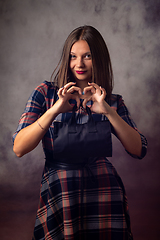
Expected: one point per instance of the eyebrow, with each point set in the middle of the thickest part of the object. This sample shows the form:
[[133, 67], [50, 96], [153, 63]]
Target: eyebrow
[[83, 54]]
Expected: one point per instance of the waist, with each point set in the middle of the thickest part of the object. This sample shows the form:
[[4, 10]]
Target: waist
[[68, 163]]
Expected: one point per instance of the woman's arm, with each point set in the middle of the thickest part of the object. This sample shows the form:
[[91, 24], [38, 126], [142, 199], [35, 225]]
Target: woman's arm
[[129, 137], [29, 137]]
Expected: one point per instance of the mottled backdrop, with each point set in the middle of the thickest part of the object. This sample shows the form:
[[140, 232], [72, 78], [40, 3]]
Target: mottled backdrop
[[32, 33]]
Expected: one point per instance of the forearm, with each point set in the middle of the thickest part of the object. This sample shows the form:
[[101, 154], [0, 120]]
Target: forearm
[[28, 138], [128, 136]]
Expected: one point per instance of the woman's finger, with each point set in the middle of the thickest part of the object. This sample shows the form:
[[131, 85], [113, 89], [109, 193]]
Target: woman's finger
[[75, 97], [103, 92], [89, 88], [96, 87], [67, 86], [74, 89], [87, 99], [60, 91]]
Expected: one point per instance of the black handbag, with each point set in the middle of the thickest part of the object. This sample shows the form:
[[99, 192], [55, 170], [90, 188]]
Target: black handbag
[[80, 141]]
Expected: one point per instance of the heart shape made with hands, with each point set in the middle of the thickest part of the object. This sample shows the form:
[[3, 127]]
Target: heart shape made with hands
[[91, 92], [94, 92]]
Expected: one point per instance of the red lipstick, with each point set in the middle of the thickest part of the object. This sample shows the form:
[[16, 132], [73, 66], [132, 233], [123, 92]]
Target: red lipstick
[[80, 72]]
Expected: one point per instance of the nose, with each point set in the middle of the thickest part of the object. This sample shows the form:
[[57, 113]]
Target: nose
[[80, 62]]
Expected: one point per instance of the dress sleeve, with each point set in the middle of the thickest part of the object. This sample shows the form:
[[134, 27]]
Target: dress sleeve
[[37, 104], [125, 115]]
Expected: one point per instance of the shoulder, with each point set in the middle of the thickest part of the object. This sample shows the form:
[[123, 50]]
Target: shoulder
[[45, 87], [45, 90], [115, 101]]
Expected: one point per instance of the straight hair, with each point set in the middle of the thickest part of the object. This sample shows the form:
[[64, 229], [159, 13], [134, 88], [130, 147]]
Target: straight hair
[[102, 73]]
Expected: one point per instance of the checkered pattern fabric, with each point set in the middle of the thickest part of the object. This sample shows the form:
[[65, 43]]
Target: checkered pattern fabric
[[62, 213]]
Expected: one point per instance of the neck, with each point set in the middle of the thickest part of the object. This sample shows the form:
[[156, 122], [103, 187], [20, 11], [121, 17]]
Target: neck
[[81, 84]]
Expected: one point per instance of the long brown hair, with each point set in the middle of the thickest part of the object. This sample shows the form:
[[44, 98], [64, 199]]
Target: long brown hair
[[102, 73]]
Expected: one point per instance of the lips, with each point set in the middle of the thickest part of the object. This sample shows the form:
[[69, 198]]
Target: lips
[[80, 72]]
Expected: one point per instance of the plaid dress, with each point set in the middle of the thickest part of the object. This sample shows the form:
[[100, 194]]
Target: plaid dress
[[88, 203]]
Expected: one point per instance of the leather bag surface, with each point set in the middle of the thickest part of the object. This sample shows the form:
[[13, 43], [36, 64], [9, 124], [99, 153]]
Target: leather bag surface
[[79, 141]]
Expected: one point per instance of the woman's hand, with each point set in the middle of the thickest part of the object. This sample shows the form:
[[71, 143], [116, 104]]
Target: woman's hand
[[97, 95], [69, 91], [128, 136], [29, 137]]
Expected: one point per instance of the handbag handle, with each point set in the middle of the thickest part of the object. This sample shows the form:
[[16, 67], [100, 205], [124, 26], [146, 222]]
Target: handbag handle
[[73, 123]]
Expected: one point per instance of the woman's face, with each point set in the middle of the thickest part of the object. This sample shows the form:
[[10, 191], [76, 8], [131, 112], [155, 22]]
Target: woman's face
[[81, 62]]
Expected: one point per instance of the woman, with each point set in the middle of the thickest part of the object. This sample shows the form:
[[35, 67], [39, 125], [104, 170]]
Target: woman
[[79, 201]]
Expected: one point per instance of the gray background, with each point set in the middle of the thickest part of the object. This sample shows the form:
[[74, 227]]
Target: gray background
[[32, 33]]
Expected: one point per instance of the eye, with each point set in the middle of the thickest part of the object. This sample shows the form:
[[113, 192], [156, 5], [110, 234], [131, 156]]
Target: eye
[[88, 56], [72, 56]]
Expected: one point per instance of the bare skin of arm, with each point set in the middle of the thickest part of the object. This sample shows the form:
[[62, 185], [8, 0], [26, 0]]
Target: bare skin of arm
[[28, 138], [127, 135]]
